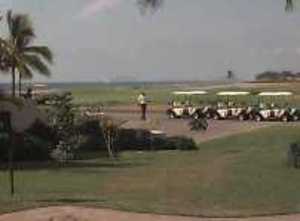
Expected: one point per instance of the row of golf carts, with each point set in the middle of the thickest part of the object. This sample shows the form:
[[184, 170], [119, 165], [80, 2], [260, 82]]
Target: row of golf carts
[[230, 107]]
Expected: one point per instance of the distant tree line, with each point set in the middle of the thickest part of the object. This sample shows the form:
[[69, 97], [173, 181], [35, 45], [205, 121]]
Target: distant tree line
[[289, 6], [278, 76]]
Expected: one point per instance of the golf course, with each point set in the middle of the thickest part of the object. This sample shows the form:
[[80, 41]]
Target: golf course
[[149, 110]]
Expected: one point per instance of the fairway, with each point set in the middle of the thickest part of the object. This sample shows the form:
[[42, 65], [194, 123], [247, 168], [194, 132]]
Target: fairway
[[161, 94], [241, 175], [118, 95], [150, 110]]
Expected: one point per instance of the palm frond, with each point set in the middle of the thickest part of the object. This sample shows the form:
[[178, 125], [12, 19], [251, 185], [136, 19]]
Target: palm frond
[[35, 63], [26, 32], [149, 4], [15, 26], [5, 52], [41, 51], [25, 71], [20, 29], [289, 5]]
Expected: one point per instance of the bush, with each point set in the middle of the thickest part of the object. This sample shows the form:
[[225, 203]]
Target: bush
[[33, 146], [200, 124], [4, 144], [92, 138], [61, 114], [130, 139]]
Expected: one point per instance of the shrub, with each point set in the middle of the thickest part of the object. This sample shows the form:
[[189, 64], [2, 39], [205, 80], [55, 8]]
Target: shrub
[[130, 139], [34, 145], [200, 124], [4, 144], [32, 148], [61, 114], [91, 133]]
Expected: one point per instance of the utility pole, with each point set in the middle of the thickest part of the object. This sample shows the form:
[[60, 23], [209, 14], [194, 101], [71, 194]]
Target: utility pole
[[5, 127]]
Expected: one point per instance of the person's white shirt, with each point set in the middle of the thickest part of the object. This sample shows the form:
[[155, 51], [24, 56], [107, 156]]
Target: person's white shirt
[[141, 99]]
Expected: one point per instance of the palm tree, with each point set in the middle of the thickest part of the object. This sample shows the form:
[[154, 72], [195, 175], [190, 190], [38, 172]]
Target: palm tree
[[289, 5], [25, 58], [18, 55], [152, 4]]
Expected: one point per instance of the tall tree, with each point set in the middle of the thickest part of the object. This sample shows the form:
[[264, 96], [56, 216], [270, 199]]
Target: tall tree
[[149, 4], [289, 5], [25, 58]]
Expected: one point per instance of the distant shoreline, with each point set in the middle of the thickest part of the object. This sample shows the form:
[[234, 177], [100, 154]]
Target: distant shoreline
[[125, 83]]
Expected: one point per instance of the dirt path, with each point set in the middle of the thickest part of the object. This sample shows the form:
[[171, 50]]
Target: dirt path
[[88, 214]]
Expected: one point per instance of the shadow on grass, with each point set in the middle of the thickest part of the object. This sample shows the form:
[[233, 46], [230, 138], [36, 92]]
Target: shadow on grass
[[71, 201], [35, 166]]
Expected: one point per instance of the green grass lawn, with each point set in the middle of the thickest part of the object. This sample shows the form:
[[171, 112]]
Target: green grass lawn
[[161, 94], [118, 95], [236, 176]]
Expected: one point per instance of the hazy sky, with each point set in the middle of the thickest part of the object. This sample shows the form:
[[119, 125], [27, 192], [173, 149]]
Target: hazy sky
[[96, 40]]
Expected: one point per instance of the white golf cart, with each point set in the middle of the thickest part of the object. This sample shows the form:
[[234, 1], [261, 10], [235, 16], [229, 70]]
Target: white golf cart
[[181, 105], [228, 108], [272, 112]]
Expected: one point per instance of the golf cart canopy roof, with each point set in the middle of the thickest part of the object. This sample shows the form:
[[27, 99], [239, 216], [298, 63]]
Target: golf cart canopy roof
[[282, 93], [189, 92], [233, 93]]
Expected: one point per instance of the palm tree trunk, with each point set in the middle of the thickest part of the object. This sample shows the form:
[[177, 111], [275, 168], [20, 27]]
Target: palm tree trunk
[[13, 88], [20, 85]]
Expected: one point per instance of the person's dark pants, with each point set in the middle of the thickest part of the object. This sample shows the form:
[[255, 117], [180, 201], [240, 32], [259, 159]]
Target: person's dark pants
[[144, 110]]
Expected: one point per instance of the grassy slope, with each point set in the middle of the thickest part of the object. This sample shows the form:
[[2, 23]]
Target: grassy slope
[[236, 176]]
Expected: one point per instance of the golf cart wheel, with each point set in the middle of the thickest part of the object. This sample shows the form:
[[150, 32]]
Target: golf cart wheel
[[284, 119], [295, 118], [258, 118], [241, 117]]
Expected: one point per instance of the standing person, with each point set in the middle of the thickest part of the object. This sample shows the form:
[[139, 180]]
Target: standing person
[[142, 101], [29, 93]]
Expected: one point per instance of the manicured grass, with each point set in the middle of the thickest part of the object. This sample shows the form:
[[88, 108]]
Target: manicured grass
[[240, 175], [161, 94], [118, 95]]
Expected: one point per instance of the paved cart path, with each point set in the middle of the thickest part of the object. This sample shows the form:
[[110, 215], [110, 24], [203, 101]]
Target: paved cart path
[[68, 213]]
